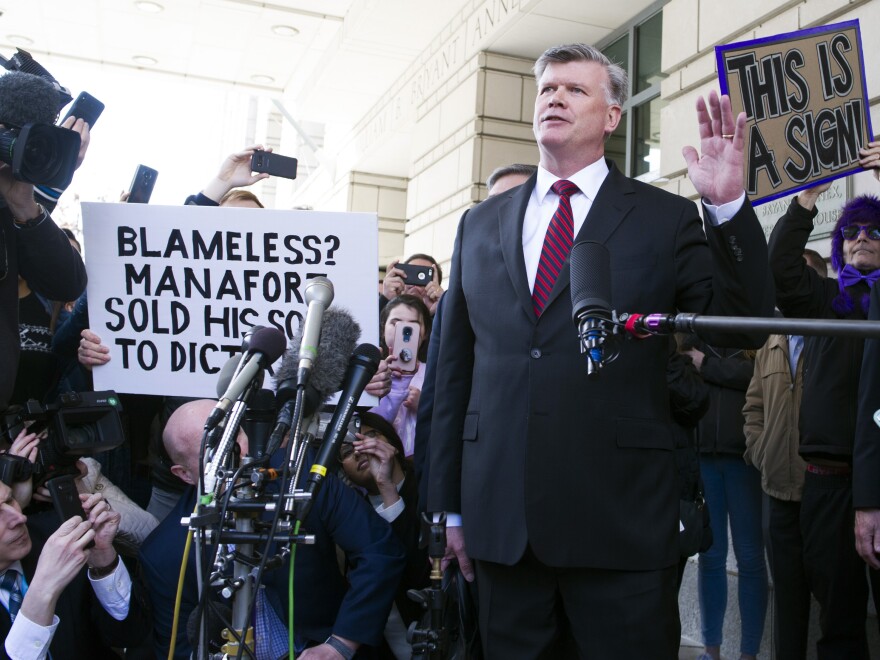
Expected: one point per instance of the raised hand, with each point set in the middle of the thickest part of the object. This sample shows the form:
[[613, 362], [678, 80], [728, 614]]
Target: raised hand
[[717, 171]]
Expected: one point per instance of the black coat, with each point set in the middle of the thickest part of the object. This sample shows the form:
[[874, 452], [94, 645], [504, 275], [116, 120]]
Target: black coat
[[523, 443], [831, 364]]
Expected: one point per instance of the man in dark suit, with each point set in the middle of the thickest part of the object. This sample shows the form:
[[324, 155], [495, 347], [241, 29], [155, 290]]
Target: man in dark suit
[[345, 610], [51, 603], [566, 484]]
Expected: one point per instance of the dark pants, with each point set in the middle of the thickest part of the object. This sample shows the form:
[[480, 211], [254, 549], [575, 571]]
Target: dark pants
[[530, 611], [791, 592], [835, 572]]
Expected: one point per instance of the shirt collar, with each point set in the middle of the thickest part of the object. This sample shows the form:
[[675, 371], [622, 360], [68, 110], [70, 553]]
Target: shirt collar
[[588, 180], [16, 565]]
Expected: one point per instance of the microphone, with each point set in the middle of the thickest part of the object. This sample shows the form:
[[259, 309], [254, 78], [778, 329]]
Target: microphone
[[26, 98], [339, 335], [257, 422], [361, 368], [266, 346], [319, 295], [590, 267], [227, 372]]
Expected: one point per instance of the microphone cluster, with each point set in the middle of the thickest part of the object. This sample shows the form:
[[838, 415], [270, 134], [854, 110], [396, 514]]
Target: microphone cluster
[[322, 360]]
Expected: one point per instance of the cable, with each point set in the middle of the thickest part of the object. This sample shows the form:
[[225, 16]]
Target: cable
[[179, 597]]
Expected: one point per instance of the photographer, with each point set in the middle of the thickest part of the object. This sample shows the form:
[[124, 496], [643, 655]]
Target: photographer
[[31, 245], [51, 603]]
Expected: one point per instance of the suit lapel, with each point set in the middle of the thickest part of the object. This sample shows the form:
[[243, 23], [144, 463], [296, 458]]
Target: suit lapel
[[613, 201], [510, 224]]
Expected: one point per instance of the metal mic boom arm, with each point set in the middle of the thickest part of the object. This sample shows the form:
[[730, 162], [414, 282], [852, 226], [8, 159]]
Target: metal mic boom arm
[[642, 326]]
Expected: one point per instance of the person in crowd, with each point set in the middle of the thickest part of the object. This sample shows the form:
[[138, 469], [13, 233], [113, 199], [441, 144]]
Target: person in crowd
[[771, 411], [135, 523], [733, 495], [827, 416], [54, 605], [395, 283], [539, 459], [32, 247], [334, 614], [375, 463], [866, 453], [507, 177], [400, 406]]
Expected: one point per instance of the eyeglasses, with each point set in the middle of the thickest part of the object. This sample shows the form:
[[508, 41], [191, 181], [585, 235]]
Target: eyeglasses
[[851, 232], [346, 450]]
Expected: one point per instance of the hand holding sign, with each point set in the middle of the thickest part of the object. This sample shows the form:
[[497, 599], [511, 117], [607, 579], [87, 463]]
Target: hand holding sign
[[869, 157], [717, 172]]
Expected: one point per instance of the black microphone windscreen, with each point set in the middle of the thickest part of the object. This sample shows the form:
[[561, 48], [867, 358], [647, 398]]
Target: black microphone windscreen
[[369, 353], [268, 341], [27, 99], [339, 334], [590, 264]]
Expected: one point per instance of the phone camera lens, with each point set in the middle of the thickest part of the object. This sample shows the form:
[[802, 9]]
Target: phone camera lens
[[407, 334]]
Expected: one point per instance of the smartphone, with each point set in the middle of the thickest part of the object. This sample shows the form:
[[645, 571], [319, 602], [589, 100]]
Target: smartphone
[[417, 275], [65, 497], [274, 164], [406, 347], [142, 185], [87, 108]]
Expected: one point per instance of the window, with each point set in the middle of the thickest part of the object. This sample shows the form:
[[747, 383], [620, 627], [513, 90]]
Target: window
[[635, 145]]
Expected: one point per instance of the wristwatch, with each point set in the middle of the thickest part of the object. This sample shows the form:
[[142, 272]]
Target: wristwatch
[[97, 573], [33, 222], [343, 649]]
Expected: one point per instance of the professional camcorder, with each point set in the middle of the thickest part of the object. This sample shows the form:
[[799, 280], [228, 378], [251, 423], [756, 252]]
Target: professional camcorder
[[37, 151], [78, 424]]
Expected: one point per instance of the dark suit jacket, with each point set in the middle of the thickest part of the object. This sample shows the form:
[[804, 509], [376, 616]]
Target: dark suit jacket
[[355, 606], [85, 630], [523, 443], [866, 453]]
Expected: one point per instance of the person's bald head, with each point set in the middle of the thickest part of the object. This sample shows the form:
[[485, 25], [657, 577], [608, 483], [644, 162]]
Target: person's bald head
[[183, 438]]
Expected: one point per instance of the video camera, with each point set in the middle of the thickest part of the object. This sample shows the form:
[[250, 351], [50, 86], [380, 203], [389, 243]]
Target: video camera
[[78, 424], [38, 153]]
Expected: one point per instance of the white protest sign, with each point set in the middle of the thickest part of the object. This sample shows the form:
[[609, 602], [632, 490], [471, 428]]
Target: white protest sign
[[172, 289]]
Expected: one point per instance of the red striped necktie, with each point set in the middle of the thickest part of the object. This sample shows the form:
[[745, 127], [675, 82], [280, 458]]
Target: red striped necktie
[[557, 245]]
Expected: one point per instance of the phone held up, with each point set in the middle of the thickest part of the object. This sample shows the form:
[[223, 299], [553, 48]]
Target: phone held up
[[65, 497], [142, 185], [406, 347], [417, 275], [274, 164], [87, 108]]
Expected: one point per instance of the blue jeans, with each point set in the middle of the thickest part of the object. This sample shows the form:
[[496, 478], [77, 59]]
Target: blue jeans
[[733, 489]]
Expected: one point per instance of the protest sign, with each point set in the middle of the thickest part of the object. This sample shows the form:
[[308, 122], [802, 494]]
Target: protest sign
[[173, 289], [807, 113]]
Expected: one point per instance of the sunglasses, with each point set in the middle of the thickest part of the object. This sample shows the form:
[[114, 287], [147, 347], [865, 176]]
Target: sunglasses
[[851, 232]]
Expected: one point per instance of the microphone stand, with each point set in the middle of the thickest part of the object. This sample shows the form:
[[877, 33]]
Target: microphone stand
[[696, 323], [599, 336], [432, 642], [246, 502]]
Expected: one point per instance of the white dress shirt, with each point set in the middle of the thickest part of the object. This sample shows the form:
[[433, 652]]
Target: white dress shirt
[[30, 641]]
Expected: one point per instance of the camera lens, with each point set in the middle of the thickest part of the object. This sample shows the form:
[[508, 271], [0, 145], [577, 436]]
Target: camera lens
[[407, 333]]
